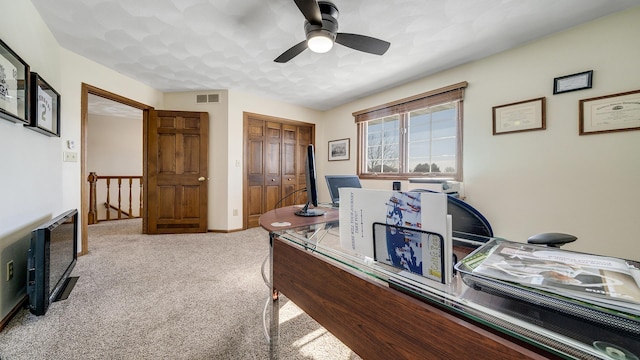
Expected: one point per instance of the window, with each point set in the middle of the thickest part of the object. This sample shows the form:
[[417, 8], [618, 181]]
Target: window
[[414, 137]]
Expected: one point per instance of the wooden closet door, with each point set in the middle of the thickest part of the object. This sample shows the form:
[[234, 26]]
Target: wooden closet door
[[289, 165], [273, 165], [275, 152], [254, 155]]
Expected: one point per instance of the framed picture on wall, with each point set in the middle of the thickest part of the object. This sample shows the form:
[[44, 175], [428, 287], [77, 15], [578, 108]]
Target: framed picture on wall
[[339, 150], [14, 86], [573, 82], [520, 116], [610, 113], [45, 107]]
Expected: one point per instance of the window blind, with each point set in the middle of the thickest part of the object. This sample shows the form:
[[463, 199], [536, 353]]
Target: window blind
[[445, 94]]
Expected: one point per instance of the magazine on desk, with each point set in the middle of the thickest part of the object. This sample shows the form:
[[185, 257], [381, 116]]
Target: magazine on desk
[[605, 281]]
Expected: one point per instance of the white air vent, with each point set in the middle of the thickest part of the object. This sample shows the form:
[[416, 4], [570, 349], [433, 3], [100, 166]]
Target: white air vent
[[207, 98]]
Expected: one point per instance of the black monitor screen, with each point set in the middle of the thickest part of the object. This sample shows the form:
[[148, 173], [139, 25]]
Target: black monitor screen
[[62, 252], [335, 182], [312, 186]]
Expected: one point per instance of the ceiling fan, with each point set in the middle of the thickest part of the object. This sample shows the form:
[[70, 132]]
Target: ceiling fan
[[321, 28]]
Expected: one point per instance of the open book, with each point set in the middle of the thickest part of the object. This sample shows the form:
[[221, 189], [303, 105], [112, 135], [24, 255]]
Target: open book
[[605, 281]]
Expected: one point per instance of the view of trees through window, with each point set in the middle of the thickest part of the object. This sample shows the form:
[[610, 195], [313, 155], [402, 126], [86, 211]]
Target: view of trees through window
[[421, 142], [383, 145]]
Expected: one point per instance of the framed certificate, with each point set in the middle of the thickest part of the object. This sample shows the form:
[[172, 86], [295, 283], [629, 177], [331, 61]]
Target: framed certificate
[[520, 116], [14, 86], [609, 113], [573, 82], [45, 107]]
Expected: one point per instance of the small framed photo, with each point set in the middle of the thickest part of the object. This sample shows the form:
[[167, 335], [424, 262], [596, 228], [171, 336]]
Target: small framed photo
[[573, 82], [610, 113], [339, 150], [14, 86], [45, 107], [520, 116]]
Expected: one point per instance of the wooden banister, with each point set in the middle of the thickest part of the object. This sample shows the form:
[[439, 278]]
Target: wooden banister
[[112, 207], [95, 184]]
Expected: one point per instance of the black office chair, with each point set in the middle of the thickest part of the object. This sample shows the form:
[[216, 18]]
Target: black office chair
[[467, 222], [466, 219], [551, 239]]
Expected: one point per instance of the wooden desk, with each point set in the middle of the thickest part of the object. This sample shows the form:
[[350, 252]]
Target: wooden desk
[[287, 214], [377, 321]]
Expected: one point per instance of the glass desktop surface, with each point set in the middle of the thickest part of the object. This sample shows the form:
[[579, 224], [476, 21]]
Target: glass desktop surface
[[558, 333]]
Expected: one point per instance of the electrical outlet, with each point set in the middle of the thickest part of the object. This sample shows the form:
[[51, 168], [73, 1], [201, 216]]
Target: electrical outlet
[[10, 270]]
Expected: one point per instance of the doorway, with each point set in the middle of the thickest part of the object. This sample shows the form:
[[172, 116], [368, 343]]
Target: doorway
[[87, 90]]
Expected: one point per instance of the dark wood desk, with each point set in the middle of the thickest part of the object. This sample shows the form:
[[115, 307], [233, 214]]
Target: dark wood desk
[[374, 318], [378, 322]]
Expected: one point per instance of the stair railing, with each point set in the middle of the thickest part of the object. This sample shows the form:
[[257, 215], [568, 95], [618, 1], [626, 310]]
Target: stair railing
[[101, 186]]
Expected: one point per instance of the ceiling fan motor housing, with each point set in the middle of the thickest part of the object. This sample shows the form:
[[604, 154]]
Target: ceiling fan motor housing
[[329, 25], [329, 9]]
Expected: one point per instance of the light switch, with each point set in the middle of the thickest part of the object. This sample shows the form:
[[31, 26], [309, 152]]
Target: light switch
[[70, 156]]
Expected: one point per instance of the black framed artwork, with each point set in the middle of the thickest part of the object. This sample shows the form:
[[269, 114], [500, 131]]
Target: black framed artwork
[[45, 107], [573, 82], [14, 86]]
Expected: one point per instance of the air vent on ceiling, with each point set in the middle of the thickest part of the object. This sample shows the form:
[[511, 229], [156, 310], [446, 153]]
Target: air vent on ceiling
[[207, 98]]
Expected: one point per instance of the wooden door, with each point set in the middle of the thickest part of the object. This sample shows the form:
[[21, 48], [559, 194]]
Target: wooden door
[[177, 172], [289, 164], [275, 150], [254, 154], [272, 165]]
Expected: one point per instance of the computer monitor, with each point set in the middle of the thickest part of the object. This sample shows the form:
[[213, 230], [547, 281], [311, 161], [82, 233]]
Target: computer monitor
[[312, 186], [335, 182]]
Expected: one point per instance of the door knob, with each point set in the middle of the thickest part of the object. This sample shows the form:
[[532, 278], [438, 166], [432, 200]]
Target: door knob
[[202, 178]]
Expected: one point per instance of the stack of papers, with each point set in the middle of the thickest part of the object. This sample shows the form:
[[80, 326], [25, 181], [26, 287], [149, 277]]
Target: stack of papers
[[605, 281]]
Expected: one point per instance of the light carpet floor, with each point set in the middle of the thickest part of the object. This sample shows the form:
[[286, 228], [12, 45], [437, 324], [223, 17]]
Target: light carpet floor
[[197, 296]]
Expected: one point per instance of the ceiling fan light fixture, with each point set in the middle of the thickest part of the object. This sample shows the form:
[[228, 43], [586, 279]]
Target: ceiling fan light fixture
[[319, 42]]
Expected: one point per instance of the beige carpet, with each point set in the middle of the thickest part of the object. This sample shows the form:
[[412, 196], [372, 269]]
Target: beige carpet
[[139, 296]]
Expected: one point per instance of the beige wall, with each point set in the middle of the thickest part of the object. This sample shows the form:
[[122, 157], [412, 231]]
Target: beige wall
[[114, 145], [76, 70], [540, 181]]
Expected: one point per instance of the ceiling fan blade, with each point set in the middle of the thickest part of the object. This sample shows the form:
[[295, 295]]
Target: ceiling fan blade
[[310, 10], [363, 43], [294, 51]]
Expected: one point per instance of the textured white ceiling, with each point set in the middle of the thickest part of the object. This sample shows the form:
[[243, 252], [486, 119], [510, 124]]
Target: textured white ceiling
[[102, 106], [184, 45]]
